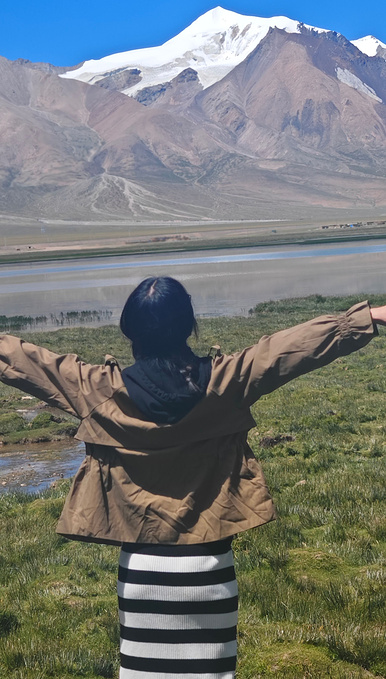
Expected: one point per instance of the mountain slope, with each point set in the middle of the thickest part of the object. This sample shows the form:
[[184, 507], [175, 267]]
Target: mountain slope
[[307, 109], [68, 148], [298, 124], [298, 89]]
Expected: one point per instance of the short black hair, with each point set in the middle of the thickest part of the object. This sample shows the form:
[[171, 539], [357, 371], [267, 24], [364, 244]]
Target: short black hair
[[158, 318]]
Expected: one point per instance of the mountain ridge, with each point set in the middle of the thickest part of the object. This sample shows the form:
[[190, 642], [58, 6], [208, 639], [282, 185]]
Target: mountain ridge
[[297, 125], [212, 45]]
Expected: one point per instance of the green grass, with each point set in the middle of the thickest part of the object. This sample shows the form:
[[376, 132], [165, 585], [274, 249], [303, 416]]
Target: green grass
[[43, 427], [12, 324], [312, 583]]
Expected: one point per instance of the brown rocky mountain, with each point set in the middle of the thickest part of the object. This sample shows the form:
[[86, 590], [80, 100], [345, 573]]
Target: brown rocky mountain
[[309, 110], [299, 125], [46, 67], [317, 90], [73, 150], [177, 92]]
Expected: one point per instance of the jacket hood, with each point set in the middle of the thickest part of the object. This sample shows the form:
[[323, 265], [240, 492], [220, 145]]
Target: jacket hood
[[164, 395]]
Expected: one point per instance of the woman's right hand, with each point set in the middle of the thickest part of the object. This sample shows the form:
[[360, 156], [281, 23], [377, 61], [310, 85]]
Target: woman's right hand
[[378, 314]]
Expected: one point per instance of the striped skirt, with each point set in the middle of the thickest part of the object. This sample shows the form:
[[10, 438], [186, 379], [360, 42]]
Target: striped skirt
[[178, 611]]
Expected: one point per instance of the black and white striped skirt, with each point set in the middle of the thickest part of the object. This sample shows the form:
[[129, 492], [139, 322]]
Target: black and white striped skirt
[[178, 611]]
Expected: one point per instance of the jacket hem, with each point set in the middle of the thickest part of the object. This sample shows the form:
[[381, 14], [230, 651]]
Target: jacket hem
[[182, 538]]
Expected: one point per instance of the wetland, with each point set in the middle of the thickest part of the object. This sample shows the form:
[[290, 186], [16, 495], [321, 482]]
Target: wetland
[[312, 595]]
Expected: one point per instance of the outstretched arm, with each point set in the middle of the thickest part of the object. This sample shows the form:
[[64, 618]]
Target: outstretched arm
[[65, 381], [279, 358]]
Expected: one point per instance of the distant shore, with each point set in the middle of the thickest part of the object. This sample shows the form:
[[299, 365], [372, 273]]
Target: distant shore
[[149, 239]]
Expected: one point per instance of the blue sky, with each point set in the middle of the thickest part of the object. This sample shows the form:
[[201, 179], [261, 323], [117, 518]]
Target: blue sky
[[72, 31]]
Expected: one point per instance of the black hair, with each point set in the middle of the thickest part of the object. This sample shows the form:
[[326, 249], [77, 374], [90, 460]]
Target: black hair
[[158, 318]]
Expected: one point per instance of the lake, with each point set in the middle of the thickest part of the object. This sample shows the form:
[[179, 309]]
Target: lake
[[221, 282]]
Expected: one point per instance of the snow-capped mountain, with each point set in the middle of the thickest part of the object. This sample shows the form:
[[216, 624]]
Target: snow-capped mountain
[[243, 118], [370, 46], [212, 46]]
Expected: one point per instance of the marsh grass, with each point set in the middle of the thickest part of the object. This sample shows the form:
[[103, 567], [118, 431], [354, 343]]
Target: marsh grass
[[312, 583], [63, 319], [44, 427]]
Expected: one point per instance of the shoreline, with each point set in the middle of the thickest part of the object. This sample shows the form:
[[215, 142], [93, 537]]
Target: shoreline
[[220, 236]]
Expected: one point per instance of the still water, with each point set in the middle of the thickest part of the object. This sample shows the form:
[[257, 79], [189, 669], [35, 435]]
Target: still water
[[221, 282], [33, 467]]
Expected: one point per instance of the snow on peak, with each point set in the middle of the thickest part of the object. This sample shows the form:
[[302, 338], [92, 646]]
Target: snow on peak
[[212, 45], [214, 20], [369, 45]]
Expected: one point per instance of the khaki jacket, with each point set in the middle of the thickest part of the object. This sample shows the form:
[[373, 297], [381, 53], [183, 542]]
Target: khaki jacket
[[190, 482]]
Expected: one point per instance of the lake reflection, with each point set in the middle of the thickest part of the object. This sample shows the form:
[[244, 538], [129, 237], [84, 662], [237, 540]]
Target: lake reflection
[[221, 282]]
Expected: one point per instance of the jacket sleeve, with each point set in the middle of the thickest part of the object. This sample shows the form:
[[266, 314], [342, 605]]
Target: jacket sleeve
[[61, 381], [279, 358]]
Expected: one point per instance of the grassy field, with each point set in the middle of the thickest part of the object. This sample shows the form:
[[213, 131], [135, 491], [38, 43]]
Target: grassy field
[[312, 594]]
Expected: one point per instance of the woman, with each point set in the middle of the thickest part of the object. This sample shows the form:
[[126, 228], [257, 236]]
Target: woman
[[168, 473]]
